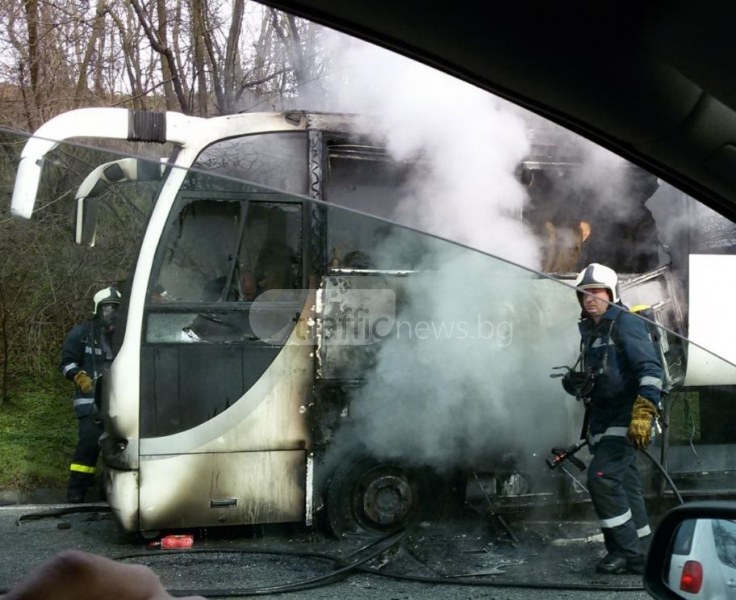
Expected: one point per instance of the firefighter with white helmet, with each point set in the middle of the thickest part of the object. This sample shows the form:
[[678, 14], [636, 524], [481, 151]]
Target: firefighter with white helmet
[[86, 351], [622, 401]]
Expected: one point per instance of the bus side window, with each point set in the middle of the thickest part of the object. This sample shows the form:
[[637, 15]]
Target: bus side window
[[218, 255], [271, 253], [198, 251]]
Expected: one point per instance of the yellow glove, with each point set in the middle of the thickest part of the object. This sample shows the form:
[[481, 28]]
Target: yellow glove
[[84, 382], [640, 428]]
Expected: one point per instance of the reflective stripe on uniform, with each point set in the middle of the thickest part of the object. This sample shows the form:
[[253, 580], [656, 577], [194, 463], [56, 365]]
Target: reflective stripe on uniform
[[602, 342], [616, 521], [83, 401], [643, 531], [97, 351], [653, 381], [69, 367], [77, 468], [611, 431]]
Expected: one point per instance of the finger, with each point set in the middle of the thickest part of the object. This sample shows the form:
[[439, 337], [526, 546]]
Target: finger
[[71, 574]]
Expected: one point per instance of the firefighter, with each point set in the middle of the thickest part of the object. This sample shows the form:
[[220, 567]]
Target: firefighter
[[618, 355], [85, 353]]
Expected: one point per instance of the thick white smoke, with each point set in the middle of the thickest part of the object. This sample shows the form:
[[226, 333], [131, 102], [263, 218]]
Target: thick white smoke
[[465, 374], [464, 377], [469, 141], [604, 173]]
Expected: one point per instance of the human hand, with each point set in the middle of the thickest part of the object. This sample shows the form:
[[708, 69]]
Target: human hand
[[84, 382], [640, 428], [72, 574]]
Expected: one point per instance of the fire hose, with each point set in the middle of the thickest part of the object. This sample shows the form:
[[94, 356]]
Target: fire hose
[[355, 562], [560, 455], [580, 384]]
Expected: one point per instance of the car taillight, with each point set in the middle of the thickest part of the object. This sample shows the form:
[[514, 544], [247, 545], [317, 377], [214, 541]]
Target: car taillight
[[691, 579]]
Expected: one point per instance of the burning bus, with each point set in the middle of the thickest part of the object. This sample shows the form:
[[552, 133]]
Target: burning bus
[[285, 351]]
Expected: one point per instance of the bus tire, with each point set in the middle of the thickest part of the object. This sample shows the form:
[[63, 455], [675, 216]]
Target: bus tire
[[369, 496]]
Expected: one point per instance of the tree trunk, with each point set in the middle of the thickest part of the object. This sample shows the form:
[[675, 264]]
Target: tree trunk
[[231, 69], [31, 10], [98, 31], [198, 34]]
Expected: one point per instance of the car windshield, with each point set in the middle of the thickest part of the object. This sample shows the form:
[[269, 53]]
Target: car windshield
[[332, 315]]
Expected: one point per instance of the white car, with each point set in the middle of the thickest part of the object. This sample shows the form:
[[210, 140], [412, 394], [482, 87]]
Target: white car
[[703, 560]]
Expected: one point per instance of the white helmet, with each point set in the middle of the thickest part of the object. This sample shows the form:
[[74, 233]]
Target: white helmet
[[597, 276], [109, 295]]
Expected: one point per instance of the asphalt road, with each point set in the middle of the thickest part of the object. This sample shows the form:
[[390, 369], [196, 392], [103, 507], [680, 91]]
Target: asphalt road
[[544, 555]]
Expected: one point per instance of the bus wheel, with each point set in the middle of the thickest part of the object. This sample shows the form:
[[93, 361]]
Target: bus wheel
[[370, 496]]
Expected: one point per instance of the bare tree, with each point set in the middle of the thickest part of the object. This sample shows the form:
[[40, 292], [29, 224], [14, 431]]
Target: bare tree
[[95, 40], [195, 56], [157, 34], [32, 61]]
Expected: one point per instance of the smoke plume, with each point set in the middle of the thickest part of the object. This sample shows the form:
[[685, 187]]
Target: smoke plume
[[469, 143], [465, 372]]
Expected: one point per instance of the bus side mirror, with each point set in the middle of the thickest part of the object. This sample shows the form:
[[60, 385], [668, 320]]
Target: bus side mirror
[[95, 184], [693, 552]]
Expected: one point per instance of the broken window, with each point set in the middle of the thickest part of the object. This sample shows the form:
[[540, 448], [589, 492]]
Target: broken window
[[220, 253]]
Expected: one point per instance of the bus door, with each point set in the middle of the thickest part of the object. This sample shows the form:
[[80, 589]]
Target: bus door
[[224, 367]]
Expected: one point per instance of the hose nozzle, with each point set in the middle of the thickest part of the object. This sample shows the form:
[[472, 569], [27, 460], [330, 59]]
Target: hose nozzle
[[560, 455]]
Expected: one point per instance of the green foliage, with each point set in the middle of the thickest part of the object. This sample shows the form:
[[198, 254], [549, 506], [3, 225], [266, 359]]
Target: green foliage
[[46, 280], [38, 432], [46, 286], [684, 417]]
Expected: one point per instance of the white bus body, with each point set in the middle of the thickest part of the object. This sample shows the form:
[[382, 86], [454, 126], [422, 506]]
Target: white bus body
[[209, 422]]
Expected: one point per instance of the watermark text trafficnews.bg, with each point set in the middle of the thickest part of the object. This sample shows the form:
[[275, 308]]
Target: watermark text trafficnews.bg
[[357, 317]]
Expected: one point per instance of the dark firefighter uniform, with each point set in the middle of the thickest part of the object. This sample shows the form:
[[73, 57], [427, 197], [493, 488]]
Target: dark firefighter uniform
[[627, 384], [85, 353]]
